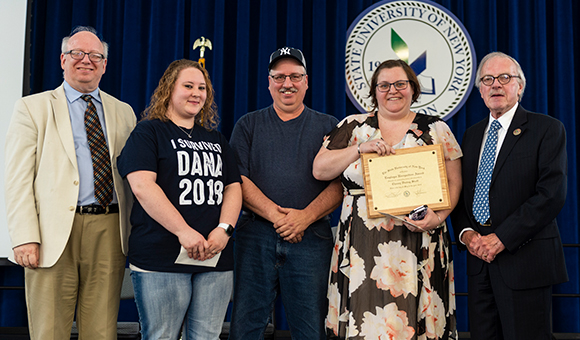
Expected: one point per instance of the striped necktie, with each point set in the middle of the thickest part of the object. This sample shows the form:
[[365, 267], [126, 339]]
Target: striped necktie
[[102, 175], [481, 198]]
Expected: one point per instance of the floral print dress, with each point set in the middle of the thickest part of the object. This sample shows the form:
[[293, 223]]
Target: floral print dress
[[387, 282]]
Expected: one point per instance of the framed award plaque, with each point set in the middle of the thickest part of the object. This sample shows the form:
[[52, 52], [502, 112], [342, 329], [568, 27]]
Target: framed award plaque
[[400, 182]]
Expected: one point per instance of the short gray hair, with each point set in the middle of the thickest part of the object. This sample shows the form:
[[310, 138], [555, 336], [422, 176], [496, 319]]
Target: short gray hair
[[521, 79], [64, 45]]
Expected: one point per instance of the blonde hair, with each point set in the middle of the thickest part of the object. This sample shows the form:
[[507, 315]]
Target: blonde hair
[[207, 118]]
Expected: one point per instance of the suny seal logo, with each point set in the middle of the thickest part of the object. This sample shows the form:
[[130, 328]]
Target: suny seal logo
[[426, 36]]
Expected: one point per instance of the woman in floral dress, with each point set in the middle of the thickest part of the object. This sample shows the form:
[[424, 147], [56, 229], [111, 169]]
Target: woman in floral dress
[[389, 280]]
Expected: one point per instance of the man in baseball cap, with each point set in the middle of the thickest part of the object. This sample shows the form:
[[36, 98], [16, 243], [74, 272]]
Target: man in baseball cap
[[287, 52], [284, 242]]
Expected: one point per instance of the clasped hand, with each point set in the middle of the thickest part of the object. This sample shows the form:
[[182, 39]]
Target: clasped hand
[[198, 248], [484, 247], [291, 224]]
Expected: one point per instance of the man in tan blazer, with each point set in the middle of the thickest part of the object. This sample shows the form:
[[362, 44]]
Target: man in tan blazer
[[70, 239]]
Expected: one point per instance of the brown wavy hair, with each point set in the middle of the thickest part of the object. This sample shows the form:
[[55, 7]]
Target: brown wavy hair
[[207, 118], [392, 63]]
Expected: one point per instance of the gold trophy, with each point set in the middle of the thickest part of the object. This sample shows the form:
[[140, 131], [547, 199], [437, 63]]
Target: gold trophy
[[202, 43]]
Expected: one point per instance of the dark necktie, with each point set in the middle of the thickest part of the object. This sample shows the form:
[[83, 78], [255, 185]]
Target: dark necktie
[[481, 198], [103, 177]]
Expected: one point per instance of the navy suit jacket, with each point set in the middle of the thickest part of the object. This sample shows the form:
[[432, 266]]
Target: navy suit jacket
[[527, 191]]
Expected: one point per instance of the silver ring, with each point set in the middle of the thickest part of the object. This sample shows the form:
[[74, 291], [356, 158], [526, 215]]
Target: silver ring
[[377, 143]]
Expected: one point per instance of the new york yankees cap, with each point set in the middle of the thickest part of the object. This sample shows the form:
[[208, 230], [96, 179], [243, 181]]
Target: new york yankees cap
[[286, 52]]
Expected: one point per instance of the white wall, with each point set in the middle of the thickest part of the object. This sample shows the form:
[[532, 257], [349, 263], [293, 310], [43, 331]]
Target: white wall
[[12, 38]]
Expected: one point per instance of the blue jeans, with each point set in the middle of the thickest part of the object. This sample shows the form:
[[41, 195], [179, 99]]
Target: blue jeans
[[166, 301], [266, 265]]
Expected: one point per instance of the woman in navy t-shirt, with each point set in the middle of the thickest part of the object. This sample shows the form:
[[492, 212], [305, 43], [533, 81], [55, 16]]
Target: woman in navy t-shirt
[[188, 197]]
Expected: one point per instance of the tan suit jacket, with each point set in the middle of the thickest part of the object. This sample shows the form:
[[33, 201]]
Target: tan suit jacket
[[41, 178]]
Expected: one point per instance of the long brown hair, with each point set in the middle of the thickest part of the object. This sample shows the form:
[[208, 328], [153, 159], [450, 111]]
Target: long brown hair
[[207, 118]]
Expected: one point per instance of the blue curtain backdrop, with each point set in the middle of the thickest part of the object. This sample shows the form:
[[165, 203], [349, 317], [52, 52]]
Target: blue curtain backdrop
[[146, 35]]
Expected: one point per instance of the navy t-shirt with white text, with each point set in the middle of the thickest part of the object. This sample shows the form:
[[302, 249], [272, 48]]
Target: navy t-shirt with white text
[[193, 173]]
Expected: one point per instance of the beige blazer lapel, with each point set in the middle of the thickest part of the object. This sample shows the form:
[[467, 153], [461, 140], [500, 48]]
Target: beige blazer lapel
[[63, 124], [110, 122]]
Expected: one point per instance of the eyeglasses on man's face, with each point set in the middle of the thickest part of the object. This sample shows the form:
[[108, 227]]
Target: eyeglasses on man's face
[[79, 55], [294, 77], [399, 85], [503, 79]]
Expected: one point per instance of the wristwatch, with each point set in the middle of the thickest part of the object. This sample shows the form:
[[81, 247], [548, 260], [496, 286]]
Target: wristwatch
[[227, 227]]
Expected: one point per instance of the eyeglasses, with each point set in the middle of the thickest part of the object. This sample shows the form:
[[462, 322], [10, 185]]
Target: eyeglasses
[[80, 55], [294, 77], [503, 79], [399, 85]]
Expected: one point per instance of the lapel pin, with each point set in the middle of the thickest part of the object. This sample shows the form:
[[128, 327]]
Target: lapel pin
[[517, 132]]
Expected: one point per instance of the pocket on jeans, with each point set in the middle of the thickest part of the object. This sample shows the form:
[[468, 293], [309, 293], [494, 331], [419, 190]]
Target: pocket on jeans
[[322, 230], [243, 221]]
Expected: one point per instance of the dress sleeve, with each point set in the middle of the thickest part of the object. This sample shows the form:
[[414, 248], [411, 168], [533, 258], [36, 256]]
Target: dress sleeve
[[441, 134], [348, 132]]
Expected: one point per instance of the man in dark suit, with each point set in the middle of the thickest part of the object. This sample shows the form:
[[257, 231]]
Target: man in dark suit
[[514, 177]]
